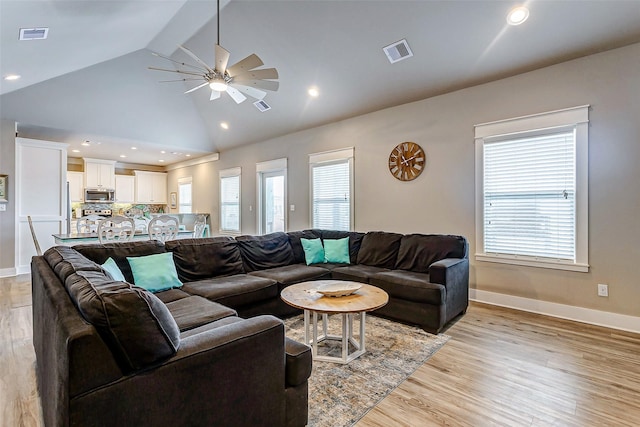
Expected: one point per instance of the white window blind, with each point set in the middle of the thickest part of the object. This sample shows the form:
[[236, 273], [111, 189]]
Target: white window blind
[[529, 196], [331, 190], [185, 204], [532, 190], [230, 201]]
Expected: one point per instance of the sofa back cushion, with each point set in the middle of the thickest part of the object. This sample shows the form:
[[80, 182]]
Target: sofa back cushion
[[65, 261], [198, 259], [418, 251], [355, 240], [119, 252], [135, 324], [263, 252], [296, 245], [379, 249]]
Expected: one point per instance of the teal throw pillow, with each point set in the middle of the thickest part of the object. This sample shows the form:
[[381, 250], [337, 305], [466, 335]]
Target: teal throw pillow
[[313, 251], [337, 250], [113, 270], [154, 273]]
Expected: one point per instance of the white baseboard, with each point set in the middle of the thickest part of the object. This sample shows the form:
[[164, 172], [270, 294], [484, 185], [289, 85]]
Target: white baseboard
[[7, 272], [563, 311]]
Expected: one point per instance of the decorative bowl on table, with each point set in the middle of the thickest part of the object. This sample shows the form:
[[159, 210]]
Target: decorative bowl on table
[[339, 289]]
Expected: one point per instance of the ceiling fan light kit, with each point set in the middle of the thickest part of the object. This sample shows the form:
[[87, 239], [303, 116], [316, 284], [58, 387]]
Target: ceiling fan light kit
[[241, 79]]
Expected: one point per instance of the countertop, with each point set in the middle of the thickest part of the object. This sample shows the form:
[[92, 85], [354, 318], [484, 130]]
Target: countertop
[[78, 238]]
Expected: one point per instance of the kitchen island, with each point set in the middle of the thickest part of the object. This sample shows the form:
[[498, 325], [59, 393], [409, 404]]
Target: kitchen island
[[88, 238]]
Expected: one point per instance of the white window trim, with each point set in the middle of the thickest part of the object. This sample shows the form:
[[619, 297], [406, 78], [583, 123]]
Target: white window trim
[[227, 173], [262, 168], [577, 117], [330, 157]]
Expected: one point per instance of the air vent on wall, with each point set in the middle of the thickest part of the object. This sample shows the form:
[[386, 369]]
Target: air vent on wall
[[398, 51], [262, 106], [33, 33]]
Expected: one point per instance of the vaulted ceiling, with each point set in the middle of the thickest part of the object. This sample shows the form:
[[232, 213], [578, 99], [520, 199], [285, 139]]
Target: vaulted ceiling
[[89, 80]]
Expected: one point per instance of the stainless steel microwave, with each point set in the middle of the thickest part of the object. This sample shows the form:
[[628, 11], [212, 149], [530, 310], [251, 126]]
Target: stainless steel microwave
[[99, 195]]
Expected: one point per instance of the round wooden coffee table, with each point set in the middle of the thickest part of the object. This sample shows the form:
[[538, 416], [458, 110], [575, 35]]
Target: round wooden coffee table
[[305, 295]]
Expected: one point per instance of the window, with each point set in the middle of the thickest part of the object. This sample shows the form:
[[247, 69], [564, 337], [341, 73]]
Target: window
[[332, 189], [272, 195], [185, 204], [230, 200], [531, 190]]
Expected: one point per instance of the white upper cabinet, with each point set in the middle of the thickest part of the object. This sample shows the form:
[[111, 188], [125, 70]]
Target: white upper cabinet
[[76, 186], [99, 173], [151, 187], [125, 188]]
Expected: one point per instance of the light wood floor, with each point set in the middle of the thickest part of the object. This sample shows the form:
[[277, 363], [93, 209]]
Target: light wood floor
[[501, 368]]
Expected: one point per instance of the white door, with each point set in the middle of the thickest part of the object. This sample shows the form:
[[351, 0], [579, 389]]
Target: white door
[[41, 179], [272, 202]]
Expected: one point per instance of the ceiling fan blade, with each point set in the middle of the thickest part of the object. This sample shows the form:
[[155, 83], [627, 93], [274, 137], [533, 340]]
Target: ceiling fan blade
[[195, 58], [222, 59], [251, 91], [191, 73], [235, 94], [260, 84], [197, 87], [214, 95], [249, 63], [178, 62], [265, 73]]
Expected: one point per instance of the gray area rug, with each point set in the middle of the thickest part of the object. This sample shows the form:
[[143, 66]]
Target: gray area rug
[[339, 395]]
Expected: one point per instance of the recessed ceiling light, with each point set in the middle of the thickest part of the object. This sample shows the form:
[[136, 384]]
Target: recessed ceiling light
[[123, 156], [12, 77], [188, 155], [517, 15], [86, 143], [161, 160], [224, 125], [314, 92], [134, 148], [162, 152], [75, 151]]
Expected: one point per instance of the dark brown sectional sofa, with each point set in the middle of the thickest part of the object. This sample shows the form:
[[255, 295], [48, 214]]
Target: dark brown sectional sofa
[[212, 352]]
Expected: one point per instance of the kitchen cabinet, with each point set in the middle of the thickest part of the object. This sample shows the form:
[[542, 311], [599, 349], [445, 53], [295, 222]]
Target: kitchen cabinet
[[125, 188], [76, 186], [151, 187], [99, 173]]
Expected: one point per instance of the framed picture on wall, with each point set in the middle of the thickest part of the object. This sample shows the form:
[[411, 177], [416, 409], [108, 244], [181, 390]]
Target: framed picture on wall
[[3, 188], [173, 200]]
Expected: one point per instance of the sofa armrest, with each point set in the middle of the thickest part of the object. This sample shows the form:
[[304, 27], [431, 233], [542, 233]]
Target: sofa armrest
[[449, 271], [298, 363]]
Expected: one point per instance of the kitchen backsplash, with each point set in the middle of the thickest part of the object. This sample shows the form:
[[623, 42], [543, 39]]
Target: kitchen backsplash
[[126, 209]]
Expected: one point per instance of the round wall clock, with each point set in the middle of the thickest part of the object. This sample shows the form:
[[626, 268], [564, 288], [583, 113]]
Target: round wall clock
[[406, 161]]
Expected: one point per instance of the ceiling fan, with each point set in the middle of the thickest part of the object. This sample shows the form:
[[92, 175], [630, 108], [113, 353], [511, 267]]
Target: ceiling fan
[[238, 80]]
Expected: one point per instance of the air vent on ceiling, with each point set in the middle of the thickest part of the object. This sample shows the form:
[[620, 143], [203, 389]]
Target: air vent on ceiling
[[262, 106], [33, 33], [398, 51]]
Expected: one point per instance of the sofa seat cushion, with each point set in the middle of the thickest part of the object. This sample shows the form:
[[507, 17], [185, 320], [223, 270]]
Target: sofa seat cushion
[[100, 252], [195, 311], [379, 249], [268, 251], [418, 251], [171, 295], [210, 326], [234, 291], [295, 273], [135, 324], [198, 259], [410, 286], [358, 273]]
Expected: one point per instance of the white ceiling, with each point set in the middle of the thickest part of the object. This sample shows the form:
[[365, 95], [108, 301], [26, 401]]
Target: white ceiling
[[89, 80]]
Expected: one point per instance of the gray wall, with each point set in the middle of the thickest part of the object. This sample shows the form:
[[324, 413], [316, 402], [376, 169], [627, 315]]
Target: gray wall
[[442, 199], [7, 218]]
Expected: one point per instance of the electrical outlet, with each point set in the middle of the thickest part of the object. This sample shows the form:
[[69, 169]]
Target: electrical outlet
[[603, 290], [3, 207]]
